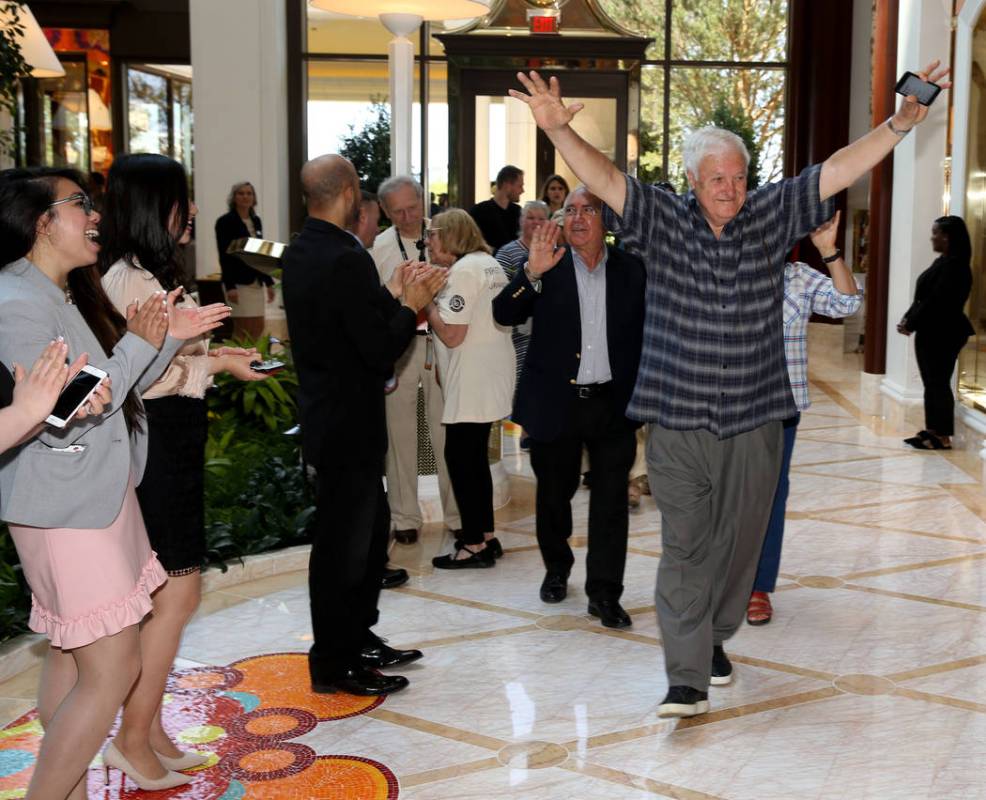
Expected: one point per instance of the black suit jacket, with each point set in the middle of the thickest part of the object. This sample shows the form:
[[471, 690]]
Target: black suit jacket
[[229, 228], [346, 333], [544, 394], [6, 387], [940, 295]]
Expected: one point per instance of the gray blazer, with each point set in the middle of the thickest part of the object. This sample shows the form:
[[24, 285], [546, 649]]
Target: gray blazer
[[43, 484]]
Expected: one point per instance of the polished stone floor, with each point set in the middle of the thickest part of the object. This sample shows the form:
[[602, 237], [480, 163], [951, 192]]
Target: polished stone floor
[[870, 683]]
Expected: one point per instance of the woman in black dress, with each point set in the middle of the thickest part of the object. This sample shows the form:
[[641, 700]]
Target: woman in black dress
[[938, 319], [245, 287]]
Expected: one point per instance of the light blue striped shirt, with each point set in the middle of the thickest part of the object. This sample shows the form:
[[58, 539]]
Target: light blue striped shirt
[[594, 361]]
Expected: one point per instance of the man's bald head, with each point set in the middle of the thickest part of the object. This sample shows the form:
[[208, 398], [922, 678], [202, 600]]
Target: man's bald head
[[324, 181]]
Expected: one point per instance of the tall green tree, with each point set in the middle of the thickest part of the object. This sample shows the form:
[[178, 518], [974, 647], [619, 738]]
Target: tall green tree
[[13, 67], [369, 148]]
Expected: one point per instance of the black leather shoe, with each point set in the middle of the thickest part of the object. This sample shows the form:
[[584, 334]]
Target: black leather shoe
[[554, 588], [611, 613], [379, 655], [406, 536], [361, 681], [392, 578]]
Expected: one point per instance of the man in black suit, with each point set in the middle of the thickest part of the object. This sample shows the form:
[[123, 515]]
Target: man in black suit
[[346, 332], [587, 307]]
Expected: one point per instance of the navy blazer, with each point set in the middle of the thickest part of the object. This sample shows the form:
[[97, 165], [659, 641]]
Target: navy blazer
[[346, 333], [545, 391]]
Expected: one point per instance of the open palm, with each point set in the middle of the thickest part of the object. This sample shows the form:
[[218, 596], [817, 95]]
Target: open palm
[[545, 102]]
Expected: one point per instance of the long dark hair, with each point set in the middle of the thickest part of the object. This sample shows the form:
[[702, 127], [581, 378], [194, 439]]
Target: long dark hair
[[959, 245], [146, 196], [25, 196], [550, 180]]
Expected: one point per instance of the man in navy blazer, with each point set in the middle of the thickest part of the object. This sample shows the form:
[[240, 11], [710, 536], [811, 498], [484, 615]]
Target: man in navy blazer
[[587, 305]]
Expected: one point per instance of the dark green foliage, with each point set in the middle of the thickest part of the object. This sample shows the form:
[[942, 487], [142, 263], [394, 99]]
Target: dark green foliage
[[15, 599], [732, 118], [369, 149], [13, 67]]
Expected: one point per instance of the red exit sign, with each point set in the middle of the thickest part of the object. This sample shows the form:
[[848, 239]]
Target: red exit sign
[[543, 24]]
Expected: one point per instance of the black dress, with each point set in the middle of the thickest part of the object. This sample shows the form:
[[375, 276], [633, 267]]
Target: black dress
[[171, 493]]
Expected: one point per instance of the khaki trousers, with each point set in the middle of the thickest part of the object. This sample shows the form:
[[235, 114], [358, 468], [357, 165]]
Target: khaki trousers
[[402, 432]]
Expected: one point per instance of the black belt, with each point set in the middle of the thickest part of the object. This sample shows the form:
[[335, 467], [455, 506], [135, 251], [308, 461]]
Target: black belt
[[584, 392]]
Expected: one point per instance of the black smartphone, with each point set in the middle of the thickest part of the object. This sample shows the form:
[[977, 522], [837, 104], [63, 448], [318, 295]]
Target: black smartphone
[[72, 397], [265, 367], [924, 91]]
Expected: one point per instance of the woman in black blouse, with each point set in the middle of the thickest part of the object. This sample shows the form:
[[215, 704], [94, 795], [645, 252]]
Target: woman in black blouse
[[245, 287], [938, 318]]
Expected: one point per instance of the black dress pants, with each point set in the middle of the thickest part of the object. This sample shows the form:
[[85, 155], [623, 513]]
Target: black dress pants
[[468, 461], [936, 355], [612, 445], [349, 552]]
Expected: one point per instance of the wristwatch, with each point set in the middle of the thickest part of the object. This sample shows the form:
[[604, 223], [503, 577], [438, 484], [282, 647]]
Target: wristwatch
[[535, 281], [834, 257]]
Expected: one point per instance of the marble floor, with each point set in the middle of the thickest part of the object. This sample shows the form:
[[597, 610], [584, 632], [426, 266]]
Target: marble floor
[[870, 683]]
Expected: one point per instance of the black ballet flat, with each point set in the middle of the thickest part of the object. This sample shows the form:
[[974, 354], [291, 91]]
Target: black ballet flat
[[479, 559]]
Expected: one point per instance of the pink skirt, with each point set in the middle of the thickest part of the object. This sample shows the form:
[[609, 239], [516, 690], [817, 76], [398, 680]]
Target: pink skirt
[[87, 584]]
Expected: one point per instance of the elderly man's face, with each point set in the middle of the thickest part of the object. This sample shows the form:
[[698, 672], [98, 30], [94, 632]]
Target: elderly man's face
[[720, 186], [583, 221], [405, 210], [533, 219]]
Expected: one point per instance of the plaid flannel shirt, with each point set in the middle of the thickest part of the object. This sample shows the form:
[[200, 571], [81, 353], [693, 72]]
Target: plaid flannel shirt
[[807, 291], [713, 350]]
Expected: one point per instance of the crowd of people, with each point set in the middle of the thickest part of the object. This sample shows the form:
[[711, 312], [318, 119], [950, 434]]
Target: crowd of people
[[693, 326]]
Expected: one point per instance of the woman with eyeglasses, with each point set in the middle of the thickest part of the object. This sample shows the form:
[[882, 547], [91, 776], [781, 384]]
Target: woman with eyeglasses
[[477, 375], [68, 495], [147, 217]]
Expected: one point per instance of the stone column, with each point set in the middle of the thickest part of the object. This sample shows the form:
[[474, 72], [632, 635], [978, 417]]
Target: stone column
[[239, 85]]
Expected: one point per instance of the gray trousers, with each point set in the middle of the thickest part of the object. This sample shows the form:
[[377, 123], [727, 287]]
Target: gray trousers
[[715, 498]]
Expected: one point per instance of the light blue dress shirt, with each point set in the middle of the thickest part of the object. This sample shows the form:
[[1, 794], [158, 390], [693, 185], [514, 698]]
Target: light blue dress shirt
[[594, 361]]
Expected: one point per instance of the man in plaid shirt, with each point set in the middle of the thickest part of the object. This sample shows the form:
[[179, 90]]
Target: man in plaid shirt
[[712, 382]]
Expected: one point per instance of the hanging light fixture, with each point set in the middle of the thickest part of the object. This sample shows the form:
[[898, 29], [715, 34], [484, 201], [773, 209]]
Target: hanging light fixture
[[402, 18], [34, 46]]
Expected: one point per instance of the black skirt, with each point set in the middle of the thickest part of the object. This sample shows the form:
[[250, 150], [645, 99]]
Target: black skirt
[[171, 493]]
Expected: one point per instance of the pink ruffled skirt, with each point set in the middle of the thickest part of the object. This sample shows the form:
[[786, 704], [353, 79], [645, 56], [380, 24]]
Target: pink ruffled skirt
[[87, 584]]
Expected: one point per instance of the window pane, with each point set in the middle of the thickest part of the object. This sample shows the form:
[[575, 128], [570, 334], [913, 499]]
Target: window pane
[[729, 30], [642, 17], [183, 122], [596, 123], [147, 113], [335, 33], [650, 145], [732, 98], [65, 108], [505, 134], [436, 180]]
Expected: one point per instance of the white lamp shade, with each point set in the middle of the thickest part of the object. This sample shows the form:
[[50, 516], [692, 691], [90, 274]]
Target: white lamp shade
[[426, 9], [34, 46]]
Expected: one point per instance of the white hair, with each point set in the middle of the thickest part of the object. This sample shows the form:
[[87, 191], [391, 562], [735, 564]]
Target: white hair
[[535, 205], [707, 141], [396, 182]]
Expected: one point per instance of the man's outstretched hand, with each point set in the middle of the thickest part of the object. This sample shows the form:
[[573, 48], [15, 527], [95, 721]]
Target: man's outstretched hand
[[544, 100], [911, 112]]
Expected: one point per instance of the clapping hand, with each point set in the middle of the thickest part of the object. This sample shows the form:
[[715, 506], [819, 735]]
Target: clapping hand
[[544, 252], [911, 112], [150, 320], [403, 273], [190, 323], [423, 285], [545, 102]]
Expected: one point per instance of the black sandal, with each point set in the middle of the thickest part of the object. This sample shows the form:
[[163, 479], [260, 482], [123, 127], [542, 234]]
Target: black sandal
[[478, 559], [491, 544]]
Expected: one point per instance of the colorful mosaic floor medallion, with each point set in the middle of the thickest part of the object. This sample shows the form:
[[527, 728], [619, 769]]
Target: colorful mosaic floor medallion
[[245, 717]]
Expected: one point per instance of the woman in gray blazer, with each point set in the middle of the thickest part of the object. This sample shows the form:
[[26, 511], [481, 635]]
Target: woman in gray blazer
[[68, 494]]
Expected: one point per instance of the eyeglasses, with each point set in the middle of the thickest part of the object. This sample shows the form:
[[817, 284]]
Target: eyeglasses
[[585, 211], [81, 197]]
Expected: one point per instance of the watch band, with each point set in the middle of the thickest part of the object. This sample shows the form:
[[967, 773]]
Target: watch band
[[834, 257]]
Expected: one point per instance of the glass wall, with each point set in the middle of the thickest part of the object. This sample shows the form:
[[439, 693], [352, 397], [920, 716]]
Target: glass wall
[[972, 362], [711, 61], [159, 112]]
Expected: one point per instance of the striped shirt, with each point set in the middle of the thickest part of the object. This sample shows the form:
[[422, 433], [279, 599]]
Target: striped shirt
[[807, 292], [713, 349]]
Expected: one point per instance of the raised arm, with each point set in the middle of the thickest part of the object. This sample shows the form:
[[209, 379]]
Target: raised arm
[[598, 173], [844, 167]]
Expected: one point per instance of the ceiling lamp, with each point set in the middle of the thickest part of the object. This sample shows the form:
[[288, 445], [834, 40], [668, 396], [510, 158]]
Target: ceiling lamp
[[34, 46], [402, 18]]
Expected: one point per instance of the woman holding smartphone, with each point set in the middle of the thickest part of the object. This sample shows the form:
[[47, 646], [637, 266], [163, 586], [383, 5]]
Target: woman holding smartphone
[[68, 495], [147, 216]]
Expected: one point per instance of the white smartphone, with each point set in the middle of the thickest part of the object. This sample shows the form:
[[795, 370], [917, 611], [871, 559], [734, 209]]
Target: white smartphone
[[75, 395]]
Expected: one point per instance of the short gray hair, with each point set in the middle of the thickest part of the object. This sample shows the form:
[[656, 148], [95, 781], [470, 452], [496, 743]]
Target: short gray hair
[[533, 205], [710, 140], [396, 182]]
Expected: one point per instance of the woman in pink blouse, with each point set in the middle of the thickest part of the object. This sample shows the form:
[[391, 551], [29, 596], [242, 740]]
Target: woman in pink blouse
[[147, 215]]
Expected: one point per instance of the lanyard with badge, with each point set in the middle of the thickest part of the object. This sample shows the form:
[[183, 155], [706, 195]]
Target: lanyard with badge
[[421, 244]]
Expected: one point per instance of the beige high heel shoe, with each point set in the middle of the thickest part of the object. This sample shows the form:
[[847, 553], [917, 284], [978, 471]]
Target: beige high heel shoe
[[187, 760], [112, 757]]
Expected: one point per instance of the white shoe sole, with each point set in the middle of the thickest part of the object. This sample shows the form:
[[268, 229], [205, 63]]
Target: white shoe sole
[[721, 680], [683, 709]]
